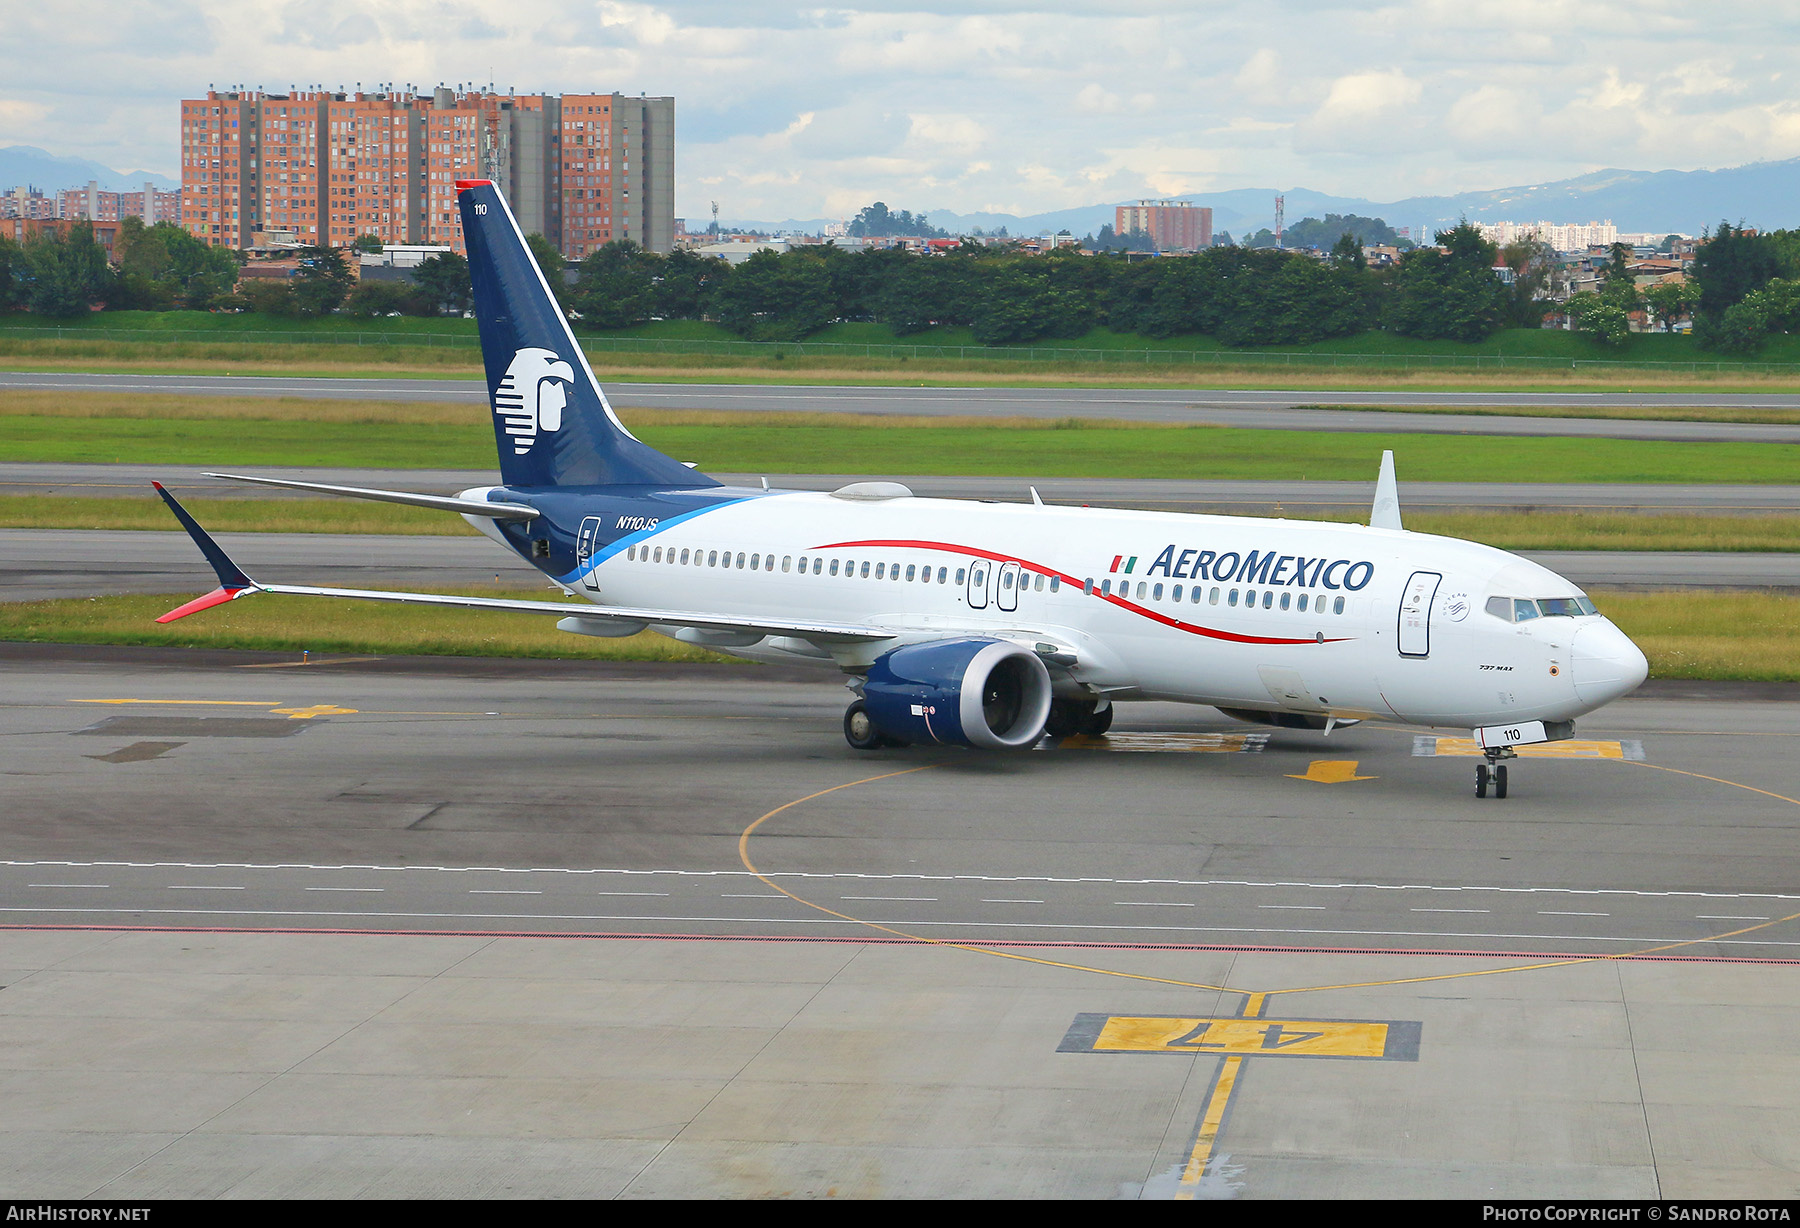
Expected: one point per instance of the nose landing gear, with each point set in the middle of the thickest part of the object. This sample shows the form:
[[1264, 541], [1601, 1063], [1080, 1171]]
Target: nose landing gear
[[1493, 770]]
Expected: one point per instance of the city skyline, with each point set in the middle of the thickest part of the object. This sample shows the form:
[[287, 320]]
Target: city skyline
[[1001, 105]]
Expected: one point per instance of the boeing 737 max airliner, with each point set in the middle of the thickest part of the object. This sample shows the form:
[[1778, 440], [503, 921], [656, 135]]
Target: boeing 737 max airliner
[[992, 625]]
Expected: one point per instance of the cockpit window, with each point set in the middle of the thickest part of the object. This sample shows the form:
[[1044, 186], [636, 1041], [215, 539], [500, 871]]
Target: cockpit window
[[1524, 609]]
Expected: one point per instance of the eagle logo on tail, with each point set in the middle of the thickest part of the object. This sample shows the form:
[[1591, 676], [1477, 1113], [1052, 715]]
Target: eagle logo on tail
[[530, 399]]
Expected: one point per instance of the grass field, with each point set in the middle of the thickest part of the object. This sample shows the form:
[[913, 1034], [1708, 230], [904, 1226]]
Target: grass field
[[1520, 531], [321, 624], [1685, 635], [871, 354], [36, 426]]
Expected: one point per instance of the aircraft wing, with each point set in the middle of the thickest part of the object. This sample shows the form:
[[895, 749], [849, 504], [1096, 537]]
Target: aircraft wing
[[234, 582]]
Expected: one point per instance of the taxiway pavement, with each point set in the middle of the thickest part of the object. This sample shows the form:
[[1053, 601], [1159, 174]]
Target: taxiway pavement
[[487, 928]]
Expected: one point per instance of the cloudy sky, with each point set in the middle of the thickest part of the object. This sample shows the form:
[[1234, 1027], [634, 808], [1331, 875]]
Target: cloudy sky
[[1019, 106]]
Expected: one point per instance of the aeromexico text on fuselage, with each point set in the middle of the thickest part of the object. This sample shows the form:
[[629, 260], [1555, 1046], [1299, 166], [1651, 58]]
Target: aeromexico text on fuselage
[[1267, 568]]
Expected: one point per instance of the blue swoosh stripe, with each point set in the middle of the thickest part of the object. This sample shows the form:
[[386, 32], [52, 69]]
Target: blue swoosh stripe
[[643, 535]]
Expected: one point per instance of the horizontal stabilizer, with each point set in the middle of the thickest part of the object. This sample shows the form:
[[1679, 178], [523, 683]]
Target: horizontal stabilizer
[[442, 503]]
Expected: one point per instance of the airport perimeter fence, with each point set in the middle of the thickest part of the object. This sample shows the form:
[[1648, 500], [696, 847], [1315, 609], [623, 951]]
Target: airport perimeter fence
[[595, 343]]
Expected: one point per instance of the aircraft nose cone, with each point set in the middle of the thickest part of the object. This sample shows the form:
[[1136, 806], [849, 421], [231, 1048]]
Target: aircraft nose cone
[[1605, 664]]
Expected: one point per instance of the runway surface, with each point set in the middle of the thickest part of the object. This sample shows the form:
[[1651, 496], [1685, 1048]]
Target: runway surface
[[39, 564], [506, 927], [1247, 497], [1267, 409]]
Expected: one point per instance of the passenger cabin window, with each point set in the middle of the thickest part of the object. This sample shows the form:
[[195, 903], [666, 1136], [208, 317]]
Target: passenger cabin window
[[834, 566], [1337, 605]]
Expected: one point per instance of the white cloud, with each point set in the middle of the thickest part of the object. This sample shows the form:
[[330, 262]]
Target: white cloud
[[784, 111]]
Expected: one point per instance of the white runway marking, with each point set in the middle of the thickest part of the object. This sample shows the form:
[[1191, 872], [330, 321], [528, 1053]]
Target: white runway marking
[[864, 876], [1047, 926]]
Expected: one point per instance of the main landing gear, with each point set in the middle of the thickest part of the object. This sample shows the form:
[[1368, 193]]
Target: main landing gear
[[1493, 770], [1088, 717]]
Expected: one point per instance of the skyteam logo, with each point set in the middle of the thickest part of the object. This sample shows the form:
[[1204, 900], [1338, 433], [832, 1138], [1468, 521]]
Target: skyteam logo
[[530, 399]]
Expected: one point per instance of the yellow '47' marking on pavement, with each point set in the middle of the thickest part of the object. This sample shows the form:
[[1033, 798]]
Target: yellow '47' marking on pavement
[[1392, 1040], [1331, 772]]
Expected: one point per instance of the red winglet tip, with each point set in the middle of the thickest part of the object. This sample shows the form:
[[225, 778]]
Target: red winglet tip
[[463, 185], [219, 596]]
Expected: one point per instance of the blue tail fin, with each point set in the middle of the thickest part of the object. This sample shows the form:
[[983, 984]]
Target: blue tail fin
[[551, 421]]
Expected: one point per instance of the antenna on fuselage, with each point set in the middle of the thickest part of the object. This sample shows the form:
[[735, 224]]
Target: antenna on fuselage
[[1386, 512]]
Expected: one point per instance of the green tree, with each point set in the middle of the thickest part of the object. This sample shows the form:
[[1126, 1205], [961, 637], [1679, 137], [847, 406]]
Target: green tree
[[368, 243], [371, 299], [266, 296], [686, 283], [878, 221], [322, 281], [1449, 294], [64, 274], [1604, 319], [1311, 232], [1728, 267], [9, 267], [164, 266], [617, 287], [1668, 301], [1775, 308], [1347, 252], [1537, 281], [552, 263], [769, 298], [443, 281]]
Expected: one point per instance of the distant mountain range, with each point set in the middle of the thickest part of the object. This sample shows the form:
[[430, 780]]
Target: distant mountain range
[[1762, 194], [22, 165]]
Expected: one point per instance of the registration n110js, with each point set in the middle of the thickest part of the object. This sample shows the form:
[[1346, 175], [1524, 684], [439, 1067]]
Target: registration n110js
[[990, 625]]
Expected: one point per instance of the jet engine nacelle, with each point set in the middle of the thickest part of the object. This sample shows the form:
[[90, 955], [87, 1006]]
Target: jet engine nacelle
[[975, 692]]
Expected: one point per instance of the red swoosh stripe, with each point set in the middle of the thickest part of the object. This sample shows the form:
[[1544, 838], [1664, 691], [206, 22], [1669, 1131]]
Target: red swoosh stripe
[[1212, 633]]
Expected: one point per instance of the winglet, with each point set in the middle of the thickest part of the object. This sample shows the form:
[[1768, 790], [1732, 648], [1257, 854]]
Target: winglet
[[233, 582], [1386, 512]]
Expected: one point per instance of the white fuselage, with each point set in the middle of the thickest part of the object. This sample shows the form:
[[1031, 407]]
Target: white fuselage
[[1273, 615]]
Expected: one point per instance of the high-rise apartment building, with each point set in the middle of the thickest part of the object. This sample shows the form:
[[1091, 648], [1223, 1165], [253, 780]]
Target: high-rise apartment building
[[93, 205], [327, 168], [1173, 225]]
